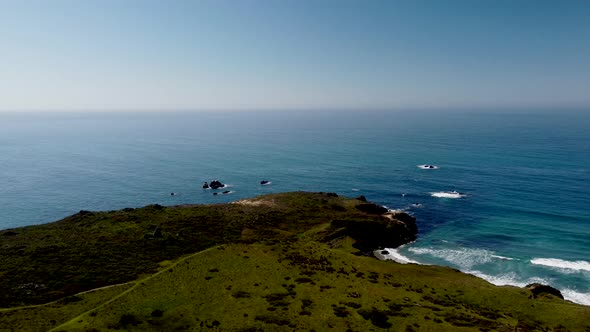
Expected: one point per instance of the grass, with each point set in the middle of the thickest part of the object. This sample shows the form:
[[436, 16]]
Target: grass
[[278, 262]]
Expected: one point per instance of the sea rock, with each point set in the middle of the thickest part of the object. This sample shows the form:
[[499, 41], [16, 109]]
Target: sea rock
[[205, 185], [216, 184], [362, 198], [538, 289], [263, 182]]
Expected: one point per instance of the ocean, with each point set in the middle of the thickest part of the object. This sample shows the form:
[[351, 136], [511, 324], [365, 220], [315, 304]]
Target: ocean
[[508, 199]]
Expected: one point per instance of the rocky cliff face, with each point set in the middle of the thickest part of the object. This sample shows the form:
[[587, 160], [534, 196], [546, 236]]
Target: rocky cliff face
[[381, 229]]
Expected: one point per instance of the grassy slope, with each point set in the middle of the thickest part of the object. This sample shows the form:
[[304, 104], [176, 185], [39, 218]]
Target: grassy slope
[[88, 250], [295, 282]]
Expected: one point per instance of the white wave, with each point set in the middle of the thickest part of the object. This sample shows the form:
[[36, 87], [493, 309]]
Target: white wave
[[581, 298], [469, 257], [396, 210], [562, 264], [508, 279], [394, 255], [464, 258], [354, 189], [447, 194], [511, 279], [426, 166], [503, 258]]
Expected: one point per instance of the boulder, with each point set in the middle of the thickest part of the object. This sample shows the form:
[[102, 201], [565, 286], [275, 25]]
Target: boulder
[[362, 198], [205, 185], [539, 289], [216, 184]]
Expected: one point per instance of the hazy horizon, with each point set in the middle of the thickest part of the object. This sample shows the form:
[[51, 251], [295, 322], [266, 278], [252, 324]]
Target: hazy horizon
[[293, 55]]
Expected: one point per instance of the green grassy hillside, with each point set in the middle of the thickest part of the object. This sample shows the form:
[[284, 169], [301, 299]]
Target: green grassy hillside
[[276, 263]]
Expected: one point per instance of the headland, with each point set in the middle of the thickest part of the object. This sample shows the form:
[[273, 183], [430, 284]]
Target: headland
[[276, 262]]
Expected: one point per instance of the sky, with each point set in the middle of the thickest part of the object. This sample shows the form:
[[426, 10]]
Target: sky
[[292, 54]]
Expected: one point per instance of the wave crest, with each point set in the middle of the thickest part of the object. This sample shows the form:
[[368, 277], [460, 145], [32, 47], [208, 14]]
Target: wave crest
[[394, 255], [447, 194], [562, 264]]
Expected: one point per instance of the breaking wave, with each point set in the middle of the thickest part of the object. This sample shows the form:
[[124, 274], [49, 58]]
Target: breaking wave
[[562, 264], [394, 255], [447, 194]]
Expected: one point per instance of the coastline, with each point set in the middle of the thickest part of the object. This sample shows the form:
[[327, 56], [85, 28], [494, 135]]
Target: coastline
[[312, 249], [394, 254]]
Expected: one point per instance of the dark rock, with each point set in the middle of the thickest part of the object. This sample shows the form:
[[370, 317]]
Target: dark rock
[[371, 208], [381, 232], [332, 194], [9, 233], [384, 252], [362, 198], [128, 209], [538, 289], [205, 185], [216, 184], [263, 182], [226, 192], [85, 213], [215, 194]]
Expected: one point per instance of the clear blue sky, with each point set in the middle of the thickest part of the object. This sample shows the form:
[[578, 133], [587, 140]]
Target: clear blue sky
[[293, 54]]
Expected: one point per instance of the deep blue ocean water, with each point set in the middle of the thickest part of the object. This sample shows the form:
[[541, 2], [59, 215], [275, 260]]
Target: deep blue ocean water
[[524, 177]]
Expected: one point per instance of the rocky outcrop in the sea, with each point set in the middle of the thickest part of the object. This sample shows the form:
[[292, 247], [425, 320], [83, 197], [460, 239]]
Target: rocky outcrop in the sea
[[216, 184], [540, 289]]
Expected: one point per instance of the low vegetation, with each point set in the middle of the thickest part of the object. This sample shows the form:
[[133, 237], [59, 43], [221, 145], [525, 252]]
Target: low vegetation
[[278, 262]]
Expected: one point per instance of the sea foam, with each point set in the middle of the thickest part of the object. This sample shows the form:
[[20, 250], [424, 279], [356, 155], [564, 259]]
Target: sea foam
[[464, 257], [511, 279], [447, 194], [562, 264], [394, 255]]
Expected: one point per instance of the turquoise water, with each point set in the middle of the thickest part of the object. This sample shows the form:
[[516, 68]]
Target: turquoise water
[[523, 214]]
